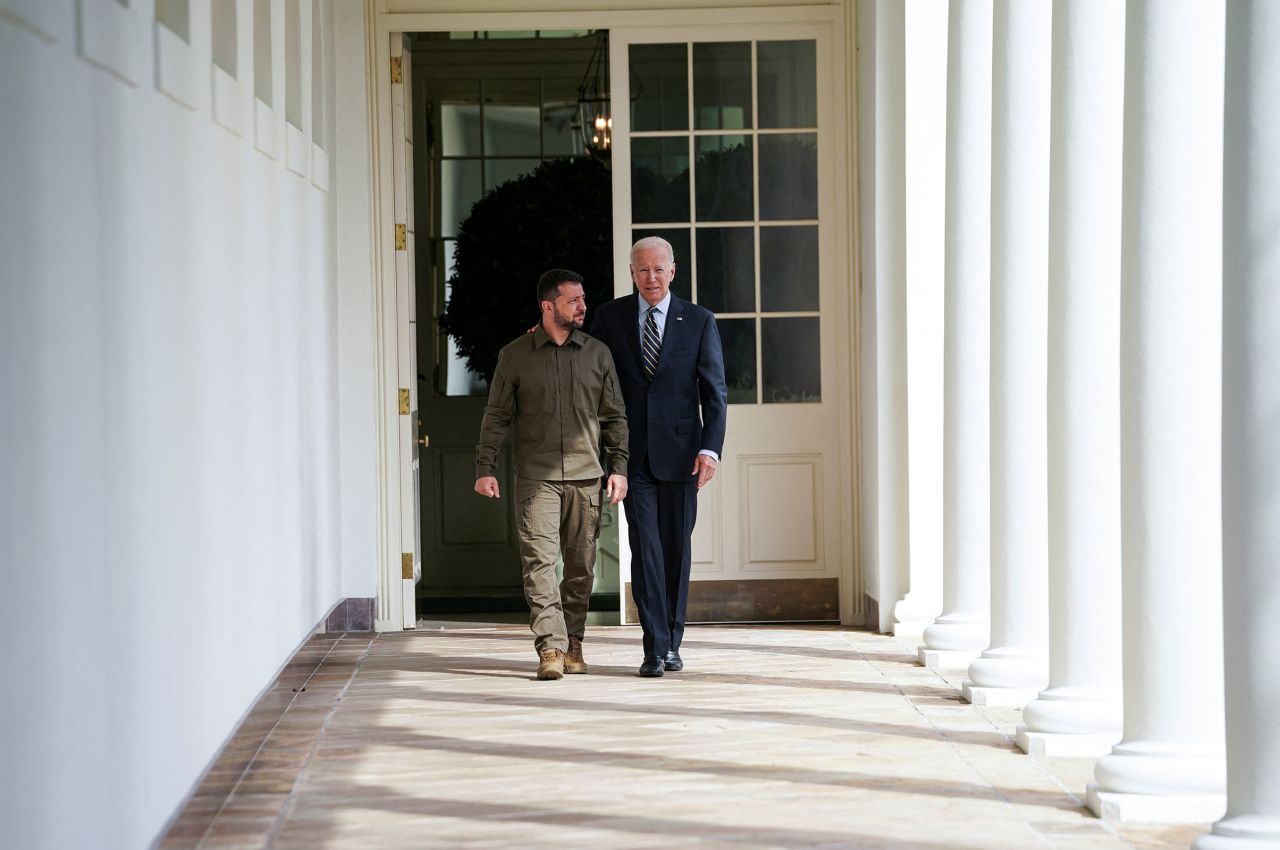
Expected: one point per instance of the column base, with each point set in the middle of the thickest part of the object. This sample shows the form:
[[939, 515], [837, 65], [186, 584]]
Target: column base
[[1243, 832], [1115, 807], [1164, 770], [947, 658], [912, 616], [1061, 745], [1077, 712], [911, 629], [1002, 697], [961, 631], [1011, 668]]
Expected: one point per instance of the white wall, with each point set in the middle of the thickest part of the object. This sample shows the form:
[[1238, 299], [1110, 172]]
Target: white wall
[[169, 429]]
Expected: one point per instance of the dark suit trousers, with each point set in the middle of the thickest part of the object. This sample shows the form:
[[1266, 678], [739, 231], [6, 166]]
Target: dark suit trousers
[[660, 517]]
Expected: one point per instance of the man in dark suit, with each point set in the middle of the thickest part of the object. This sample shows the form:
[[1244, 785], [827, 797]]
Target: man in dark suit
[[671, 368]]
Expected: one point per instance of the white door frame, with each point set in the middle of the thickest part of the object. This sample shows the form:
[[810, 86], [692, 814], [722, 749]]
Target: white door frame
[[416, 16]]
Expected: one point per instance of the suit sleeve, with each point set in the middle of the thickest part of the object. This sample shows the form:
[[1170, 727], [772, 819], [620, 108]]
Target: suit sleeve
[[498, 413], [712, 391]]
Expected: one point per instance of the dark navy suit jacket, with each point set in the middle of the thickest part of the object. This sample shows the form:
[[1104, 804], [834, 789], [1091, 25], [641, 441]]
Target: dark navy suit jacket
[[684, 408]]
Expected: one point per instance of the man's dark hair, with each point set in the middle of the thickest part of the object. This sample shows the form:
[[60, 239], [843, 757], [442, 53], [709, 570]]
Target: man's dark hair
[[549, 283]]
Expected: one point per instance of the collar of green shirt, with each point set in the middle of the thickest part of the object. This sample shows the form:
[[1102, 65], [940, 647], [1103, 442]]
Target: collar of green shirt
[[540, 337]]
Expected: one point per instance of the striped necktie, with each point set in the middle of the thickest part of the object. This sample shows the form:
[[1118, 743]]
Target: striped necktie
[[652, 343]]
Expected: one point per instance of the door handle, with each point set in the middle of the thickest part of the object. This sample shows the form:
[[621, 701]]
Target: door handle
[[424, 441]]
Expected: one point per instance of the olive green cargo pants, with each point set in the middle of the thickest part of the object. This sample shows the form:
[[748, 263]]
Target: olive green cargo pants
[[554, 517]]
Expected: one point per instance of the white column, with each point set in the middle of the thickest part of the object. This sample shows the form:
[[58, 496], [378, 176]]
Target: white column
[[1170, 765], [891, 308], [926, 123], [961, 632], [869, 465], [1016, 665], [1080, 713], [1250, 438]]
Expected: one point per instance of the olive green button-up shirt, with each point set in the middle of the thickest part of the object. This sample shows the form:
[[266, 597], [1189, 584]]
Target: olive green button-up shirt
[[562, 399]]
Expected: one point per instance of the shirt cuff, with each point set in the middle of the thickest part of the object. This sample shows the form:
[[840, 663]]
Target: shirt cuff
[[710, 454]]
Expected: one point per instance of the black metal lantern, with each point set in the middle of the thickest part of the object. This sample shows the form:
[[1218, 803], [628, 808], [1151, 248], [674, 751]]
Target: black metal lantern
[[595, 118]]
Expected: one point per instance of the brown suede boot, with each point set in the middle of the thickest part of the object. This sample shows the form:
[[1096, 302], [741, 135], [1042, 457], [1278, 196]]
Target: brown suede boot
[[550, 664], [573, 662]]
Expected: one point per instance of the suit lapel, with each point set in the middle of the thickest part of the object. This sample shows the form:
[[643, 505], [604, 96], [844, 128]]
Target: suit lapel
[[671, 333], [631, 327]]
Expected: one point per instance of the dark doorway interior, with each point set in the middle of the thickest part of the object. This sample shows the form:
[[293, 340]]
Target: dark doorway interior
[[489, 108]]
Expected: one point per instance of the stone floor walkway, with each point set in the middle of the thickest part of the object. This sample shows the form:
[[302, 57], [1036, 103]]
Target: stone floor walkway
[[772, 737]]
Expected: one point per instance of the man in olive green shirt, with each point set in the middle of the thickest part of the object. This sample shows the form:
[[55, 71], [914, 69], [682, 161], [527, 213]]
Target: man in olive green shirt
[[560, 388]]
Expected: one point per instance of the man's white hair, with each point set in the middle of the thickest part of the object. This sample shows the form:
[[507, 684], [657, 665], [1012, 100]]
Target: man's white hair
[[650, 243]]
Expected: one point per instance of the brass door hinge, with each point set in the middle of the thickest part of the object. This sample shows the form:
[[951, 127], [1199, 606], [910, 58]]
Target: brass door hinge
[[401, 237], [406, 565], [404, 402], [396, 77]]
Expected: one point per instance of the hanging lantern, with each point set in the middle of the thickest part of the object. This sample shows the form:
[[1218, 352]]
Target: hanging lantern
[[595, 121]]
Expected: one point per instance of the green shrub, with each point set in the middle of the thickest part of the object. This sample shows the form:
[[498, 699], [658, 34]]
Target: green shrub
[[559, 216]]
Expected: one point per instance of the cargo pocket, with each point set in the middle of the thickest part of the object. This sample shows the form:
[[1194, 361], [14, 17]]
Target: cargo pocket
[[526, 490], [593, 514]]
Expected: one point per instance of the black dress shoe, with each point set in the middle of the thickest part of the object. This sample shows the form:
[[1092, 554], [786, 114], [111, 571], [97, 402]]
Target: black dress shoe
[[652, 666], [672, 662]]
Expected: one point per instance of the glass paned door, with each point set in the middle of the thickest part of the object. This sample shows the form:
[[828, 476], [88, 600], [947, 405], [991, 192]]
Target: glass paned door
[[745, 181], [727, 152]]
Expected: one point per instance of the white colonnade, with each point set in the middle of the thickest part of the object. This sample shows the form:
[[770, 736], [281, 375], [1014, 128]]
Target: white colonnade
[[1137, 394]]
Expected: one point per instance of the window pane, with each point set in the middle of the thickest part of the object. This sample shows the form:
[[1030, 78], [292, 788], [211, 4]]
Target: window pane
[[789, 176], [660, 180], [499, 171], [458, 379], [660, 86], [788, 89], [225, 37], [559, 111], [262, 64], [722, 86], [724, 179], [727, 269], [175, 15], [790, 348], [789, 268], [460, 188], [512, 130], [738, 338], [679, 239], [460, 129]]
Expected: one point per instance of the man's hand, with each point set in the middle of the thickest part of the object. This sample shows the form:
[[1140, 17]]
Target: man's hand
[[488, 486], [616, 488], [704, 466]]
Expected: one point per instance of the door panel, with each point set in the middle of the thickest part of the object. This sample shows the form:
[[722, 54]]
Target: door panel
[[730, 159]]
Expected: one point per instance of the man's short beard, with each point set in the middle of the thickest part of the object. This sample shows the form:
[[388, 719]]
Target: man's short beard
[[568, 323]]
